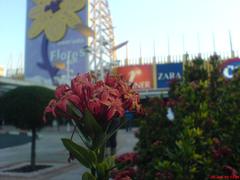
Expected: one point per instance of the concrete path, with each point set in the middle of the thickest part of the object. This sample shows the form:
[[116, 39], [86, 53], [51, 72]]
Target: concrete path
[[51, 151]]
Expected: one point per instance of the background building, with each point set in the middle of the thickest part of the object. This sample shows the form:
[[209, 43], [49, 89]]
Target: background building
[[1, 71]]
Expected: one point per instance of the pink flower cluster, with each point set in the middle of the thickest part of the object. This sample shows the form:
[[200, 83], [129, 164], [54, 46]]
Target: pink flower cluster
[[126, 174], [219, 150], [104, 99], [129, 171], [230, 170], [130, 157]]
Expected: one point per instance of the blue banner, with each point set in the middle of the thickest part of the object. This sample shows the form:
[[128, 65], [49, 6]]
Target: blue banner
[[167, 72], [54, 56]]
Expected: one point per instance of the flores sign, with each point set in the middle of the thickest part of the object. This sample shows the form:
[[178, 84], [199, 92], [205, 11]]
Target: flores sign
[[55, 62], [168, 72], [229, 66]]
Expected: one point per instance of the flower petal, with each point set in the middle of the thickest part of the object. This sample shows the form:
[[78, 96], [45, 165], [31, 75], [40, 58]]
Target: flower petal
[[71, 19], [73, 5], [43, 2], [37, 12], [38, 24], [110, 114], [55, 28], [36, 28]]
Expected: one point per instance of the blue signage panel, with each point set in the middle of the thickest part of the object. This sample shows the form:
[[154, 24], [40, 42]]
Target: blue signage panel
[[229, 66], [48, 59], [167, 72]]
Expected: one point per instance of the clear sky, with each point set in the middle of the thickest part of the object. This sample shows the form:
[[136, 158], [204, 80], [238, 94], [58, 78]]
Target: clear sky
[[143, 22]]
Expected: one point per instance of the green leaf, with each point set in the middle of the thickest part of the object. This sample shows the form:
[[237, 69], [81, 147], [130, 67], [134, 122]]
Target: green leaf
[[104, 167], [85, 157], [94, 130], [80, 131], [88, 176], [110, 162], [91, 123], [74, 110], [79, 123]]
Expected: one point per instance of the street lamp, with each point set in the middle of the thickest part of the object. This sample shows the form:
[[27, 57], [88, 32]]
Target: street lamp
[[86, 31]]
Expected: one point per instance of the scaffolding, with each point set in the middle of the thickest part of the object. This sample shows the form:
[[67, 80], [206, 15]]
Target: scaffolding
[[101, 54]]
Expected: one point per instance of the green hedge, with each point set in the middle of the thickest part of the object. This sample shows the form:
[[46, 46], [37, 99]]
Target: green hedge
[[203, 139]]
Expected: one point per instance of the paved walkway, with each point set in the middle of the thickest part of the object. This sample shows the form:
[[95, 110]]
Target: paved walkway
[[51, 151]]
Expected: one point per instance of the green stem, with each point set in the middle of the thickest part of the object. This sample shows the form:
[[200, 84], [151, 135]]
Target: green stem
[[100, 153]]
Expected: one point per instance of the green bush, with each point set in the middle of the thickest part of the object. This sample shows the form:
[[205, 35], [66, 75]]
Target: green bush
[[203, 138]]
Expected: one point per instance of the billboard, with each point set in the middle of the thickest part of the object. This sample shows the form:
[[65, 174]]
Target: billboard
[[54, 51], [229, 66], [167, 72], [140, 75]]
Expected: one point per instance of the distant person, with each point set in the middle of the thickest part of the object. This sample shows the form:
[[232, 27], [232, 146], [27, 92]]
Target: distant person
[[112, 142], [129, 116]]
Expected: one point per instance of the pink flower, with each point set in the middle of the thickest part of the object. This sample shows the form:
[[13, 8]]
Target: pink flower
[[127, 158], [61, 90], [126, 174], [216, 141], [50, 110], [104, 99], [230, 170], [226, 151], [156, 143], [216, 153]]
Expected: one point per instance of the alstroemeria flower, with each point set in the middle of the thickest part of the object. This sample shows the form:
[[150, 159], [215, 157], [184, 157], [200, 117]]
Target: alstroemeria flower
[[54, 16], [94, 106], [58, 108], [50, 110], [104, 99], [61, 90], [129, 97], [64, 101], [114, 108]]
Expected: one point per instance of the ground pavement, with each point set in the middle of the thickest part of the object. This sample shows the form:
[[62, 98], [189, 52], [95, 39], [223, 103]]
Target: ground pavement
[[51, 151]]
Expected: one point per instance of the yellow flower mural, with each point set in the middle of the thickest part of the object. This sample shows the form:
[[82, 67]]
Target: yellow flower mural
[[53, 17]]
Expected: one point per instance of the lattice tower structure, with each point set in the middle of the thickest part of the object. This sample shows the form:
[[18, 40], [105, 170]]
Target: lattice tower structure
[[101, 56]]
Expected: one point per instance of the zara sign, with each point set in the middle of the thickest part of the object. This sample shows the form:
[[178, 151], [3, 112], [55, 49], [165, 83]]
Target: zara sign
[[168, 72]]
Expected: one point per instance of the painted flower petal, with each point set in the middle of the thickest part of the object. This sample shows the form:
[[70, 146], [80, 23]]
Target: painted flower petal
[[37, 12], [36, 28], [70, 18], [43, 2], [73, 5], [38, 24], [55, 28]]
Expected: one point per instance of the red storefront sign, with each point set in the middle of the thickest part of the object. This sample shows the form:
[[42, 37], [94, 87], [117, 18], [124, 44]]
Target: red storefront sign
[[140, 75]]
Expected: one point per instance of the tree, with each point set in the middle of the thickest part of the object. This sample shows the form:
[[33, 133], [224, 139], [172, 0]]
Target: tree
[[23, 107], [194, 70]]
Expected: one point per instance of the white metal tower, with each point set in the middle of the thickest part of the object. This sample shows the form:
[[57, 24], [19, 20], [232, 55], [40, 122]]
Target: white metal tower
[[101, 54]]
